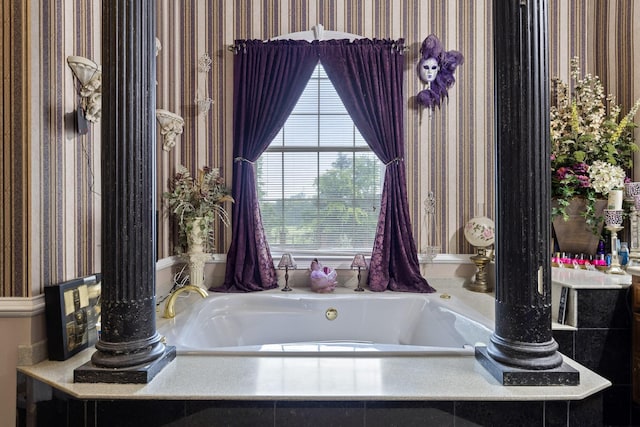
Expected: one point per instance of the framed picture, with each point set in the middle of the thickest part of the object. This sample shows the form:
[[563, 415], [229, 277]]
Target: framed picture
[[72, 310]]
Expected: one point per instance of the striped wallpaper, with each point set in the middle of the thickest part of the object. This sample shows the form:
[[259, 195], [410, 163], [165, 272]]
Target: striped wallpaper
[[14, 227], [449, 152]]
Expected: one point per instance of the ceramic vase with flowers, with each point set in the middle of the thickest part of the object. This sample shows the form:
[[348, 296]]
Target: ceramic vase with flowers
[[591, 148], [196, 202]]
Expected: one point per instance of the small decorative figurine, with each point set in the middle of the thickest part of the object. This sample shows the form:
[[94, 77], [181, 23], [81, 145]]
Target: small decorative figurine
[[435, 69], [323, 279]]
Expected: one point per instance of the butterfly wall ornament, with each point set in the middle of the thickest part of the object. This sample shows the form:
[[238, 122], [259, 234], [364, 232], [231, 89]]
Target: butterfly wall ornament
[[435, 69]]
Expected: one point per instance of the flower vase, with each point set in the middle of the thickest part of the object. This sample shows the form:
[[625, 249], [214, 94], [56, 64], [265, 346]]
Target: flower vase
[[196, 238], [197, 235], [575, 236]]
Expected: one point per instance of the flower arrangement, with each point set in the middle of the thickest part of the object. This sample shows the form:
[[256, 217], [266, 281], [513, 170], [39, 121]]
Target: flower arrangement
[[591, 147], [192, 198]]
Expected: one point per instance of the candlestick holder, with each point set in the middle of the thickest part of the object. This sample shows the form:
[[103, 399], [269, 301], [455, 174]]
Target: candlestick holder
[[480, 260], [632, 197], [613, 219]]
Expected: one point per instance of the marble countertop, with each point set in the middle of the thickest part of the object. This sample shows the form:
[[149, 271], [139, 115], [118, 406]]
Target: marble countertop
[[577, 278], [311, 378], [198, 377]]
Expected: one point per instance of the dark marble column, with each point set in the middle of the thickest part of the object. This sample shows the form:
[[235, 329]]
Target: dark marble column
[[522, 350], [130, 349]]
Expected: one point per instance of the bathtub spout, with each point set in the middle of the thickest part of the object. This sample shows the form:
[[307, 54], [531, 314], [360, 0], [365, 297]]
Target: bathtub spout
[[169, 308]]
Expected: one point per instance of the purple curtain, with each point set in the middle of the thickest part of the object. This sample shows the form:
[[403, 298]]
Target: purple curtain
[[368, 76], [269, 78]]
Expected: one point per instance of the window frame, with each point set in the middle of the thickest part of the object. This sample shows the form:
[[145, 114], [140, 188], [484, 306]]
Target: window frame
[[357, 145]]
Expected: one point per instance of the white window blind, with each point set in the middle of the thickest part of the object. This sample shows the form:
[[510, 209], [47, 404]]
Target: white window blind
[[319, 183]]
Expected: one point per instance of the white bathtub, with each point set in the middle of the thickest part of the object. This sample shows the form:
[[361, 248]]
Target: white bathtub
[[369, 323]]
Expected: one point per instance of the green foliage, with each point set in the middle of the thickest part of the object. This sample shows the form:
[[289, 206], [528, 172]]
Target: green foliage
[[190, 198], [338, 211]]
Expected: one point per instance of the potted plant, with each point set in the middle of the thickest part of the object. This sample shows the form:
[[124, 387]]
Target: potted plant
[[591, 148], [196, 202]]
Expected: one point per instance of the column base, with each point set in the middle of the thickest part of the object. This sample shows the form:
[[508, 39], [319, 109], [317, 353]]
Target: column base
[[139, 374], [510, 375]]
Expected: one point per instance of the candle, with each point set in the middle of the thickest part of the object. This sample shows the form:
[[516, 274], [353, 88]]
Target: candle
[[615, 200]]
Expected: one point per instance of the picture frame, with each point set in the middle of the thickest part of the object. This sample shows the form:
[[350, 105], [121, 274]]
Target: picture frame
[[72, 310]]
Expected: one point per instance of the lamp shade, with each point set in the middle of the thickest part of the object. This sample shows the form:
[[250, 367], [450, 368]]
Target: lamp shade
[[287, 261], [480, 231], [84, 69], [359, 261]]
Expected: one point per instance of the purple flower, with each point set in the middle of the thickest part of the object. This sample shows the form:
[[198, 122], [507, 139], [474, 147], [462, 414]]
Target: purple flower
[[580, 168], [584, 181], [561, 173]]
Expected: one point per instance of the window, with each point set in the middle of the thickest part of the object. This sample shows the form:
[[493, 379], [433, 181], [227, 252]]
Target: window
[[319, 184]]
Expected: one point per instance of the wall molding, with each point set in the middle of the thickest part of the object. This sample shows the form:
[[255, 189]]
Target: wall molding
[[22, 307]]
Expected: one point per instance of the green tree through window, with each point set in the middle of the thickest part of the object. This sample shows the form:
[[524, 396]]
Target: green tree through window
[[319, 183]]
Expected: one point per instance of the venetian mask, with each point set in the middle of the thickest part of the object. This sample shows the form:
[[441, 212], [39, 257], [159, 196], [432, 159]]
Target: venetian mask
[[428, 70]]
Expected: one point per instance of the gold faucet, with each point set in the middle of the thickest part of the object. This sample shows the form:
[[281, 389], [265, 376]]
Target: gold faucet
[[169, 309]]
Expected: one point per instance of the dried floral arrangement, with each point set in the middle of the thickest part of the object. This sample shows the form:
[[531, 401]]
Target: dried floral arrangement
[[192, 198]]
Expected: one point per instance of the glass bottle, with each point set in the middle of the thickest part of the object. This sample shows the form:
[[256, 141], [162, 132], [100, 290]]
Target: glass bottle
[[623, 254]]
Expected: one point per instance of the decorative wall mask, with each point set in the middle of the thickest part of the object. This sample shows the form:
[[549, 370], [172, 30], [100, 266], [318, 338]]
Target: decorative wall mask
[[89, 75], [435, 69], [428, 70]]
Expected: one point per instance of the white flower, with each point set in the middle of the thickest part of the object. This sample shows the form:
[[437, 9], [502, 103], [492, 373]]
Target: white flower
[[605, 177]]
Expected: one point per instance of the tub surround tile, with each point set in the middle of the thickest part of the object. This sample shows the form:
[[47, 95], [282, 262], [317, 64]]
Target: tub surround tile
[[617, 406], [565, 340], [556, 414], [229, 413], [606, 351], [601, 339], [330, 413], [604, 308], [585, 413], [140, 413], [409, 414], [521, 414]]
